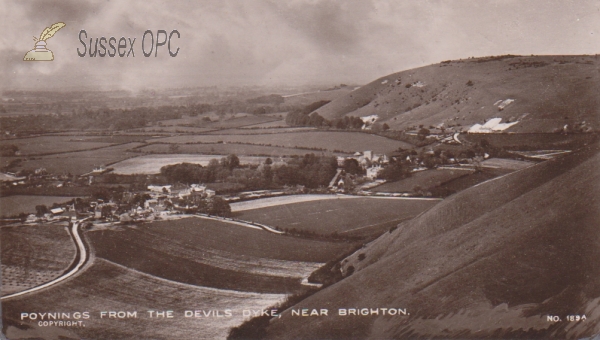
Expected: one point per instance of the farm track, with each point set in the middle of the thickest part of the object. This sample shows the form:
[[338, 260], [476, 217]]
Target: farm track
[[80, 260]]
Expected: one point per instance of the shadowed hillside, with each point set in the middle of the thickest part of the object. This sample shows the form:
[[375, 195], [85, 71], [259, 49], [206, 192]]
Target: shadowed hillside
[[548, 92], [490, 262]]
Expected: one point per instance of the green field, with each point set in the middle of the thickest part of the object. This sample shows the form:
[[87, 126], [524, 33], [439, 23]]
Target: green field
[[14, 205], [225, 122], [173, 129], [425, 179], [466, 182], [225, 149], [533, 141], [368, 215], [53, 144], [32, 255], [80, 162], [507, 164], [106, 286], [327, 140], [216, 254], [254, 131]]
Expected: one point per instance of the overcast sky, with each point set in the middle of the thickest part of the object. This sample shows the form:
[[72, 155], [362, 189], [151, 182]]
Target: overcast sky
[[296, 42]]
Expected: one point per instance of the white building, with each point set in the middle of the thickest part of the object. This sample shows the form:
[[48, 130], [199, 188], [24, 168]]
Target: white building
[[159, 188], [374, 171]]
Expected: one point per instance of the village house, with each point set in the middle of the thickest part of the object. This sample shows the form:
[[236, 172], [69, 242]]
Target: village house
[[374, 171], [160, 188]]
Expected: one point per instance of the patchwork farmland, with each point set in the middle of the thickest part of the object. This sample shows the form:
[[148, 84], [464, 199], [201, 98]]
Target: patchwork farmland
[[207, 238]]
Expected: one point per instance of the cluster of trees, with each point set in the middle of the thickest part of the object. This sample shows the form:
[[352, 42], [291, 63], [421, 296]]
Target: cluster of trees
[[211, 206], [8, 150], [297, 118], [304, 117], [269, 99], [103, 118], [396, 170], [310, 170], [308, 117], [189, 173]]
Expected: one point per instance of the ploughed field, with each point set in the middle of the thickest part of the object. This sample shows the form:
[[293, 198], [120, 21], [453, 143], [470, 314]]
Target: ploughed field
[[106, 286], [216, 254], [33, 255], [356, 215]]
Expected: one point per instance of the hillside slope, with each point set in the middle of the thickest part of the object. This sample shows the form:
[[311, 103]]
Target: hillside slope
[[490, 262], [461, 93]]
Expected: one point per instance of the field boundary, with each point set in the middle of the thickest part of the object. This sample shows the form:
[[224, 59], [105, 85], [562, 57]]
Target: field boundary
[[247, 224]]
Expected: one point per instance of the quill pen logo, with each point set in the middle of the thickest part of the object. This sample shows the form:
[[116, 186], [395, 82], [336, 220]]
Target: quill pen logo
[[40, 52]]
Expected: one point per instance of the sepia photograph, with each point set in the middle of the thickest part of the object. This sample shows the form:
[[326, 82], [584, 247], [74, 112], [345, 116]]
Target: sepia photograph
[[299, 169]]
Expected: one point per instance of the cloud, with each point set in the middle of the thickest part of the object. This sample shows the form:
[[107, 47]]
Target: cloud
[[284, 42]]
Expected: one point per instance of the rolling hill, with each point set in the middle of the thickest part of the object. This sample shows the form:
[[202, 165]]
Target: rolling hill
[[465, 92], [493, 261]]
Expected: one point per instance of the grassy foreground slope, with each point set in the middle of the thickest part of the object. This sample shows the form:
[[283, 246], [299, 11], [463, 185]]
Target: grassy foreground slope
[[490, 262], [461, 93], [106, 286]]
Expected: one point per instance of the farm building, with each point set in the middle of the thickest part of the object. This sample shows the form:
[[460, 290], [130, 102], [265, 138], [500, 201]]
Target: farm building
[[57, 211]]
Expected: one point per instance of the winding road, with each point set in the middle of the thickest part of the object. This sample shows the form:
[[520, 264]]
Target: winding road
[[81, 258]]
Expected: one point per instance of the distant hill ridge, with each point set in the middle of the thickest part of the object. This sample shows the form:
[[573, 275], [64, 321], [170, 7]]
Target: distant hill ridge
[[547, 92], [492, 261]]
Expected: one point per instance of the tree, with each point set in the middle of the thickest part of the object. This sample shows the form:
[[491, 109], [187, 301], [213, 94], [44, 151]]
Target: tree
[[423, 132], [40, 210], [352, 167], [267, 174], [106, 211], [268, 161], [230, 162], [394, 171], [219, 206]]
